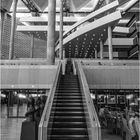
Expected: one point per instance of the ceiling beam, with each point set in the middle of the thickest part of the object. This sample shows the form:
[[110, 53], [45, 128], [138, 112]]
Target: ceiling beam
[[122, 42]]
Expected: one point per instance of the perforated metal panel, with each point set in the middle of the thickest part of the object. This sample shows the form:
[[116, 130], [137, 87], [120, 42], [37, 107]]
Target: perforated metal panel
[[22, 44]]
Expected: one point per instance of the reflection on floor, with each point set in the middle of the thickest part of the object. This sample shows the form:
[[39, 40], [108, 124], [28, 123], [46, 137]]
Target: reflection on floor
[[106, 135], [10, 127]]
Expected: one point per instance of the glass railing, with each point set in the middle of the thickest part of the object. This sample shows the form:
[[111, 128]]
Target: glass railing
[[43, 126], [94, 129], [27, 61]]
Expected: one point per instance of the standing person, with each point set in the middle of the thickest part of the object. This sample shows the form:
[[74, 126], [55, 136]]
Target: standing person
[[137, 124], [101, 117], [132, 127], [30, 110], [42, 105], [38, 110], [126, 131]]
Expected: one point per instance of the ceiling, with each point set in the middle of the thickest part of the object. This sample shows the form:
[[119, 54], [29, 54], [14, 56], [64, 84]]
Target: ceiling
[[82, 44]]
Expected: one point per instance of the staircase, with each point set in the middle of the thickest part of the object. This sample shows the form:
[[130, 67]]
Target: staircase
[[67, 120]]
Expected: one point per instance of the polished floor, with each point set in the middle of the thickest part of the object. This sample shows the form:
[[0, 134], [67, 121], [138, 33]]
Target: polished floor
[[10, 127]]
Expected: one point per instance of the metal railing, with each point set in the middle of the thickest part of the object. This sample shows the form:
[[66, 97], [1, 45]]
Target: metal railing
[[94, 129], [43, 125]]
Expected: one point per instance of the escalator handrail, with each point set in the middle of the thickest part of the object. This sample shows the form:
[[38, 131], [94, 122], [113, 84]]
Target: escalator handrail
[[47, 109], [90, 106]]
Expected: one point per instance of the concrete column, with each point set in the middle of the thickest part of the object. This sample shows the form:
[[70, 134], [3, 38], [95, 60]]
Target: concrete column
[[13, 28], [61, 30], [107, 1], [32, 46], [101, 49], [63, 53], [51, 32], [110, 48], [95, 50], [109, 30]]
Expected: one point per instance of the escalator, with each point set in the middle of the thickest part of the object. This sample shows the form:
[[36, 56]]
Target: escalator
[[67, 120]]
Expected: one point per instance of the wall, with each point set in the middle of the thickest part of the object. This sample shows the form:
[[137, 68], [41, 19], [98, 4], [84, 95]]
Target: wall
[[27, 76], [112, 77]]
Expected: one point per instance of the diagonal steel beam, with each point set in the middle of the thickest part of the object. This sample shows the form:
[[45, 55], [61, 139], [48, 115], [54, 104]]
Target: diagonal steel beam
[[31, 6]]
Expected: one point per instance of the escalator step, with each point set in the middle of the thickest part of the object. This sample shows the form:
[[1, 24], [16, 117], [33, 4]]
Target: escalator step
[[68, 97], [68, 90], [67, 125], [68, 101], [68, 118], [68, 131], [68, 137], [67, 113], [67, 109], [68, 104]]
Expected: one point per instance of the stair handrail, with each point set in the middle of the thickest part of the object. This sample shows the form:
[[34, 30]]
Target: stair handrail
[[90, 106], [47, 109]]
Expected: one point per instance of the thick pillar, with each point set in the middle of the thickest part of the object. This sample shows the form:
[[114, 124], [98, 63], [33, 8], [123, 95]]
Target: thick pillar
[[32, 46], [13, 26], [61, 30], [63, 53], [110, 48], [101, 49], [109, 30], [51, 32], [95, 50]]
